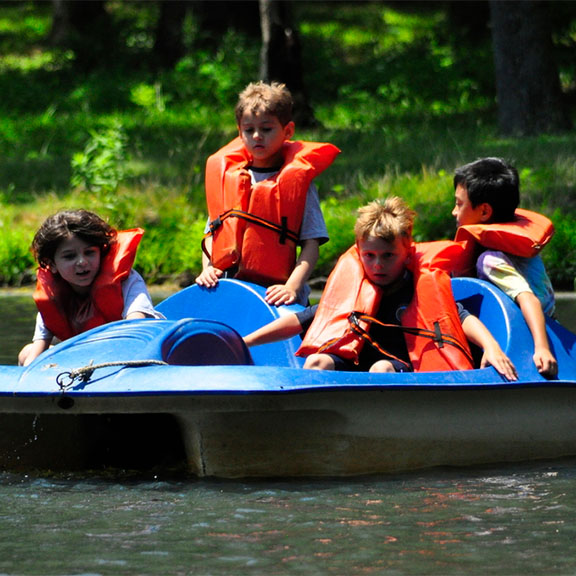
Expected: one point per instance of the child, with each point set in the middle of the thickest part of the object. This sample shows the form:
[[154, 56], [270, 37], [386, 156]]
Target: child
[[262, 202], [377, 280], [85, 278], [487, 194]]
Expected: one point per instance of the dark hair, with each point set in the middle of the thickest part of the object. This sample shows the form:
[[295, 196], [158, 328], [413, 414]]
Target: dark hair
[[87, 226], [492, 181]]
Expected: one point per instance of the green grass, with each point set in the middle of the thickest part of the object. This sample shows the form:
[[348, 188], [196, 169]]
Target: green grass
[[403, 104]]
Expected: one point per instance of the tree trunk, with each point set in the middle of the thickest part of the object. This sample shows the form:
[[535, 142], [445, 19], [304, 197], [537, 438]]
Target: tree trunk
[[86, 28], [60, 31], [169, 40], [216, 17], [530, 99], [280, 56]]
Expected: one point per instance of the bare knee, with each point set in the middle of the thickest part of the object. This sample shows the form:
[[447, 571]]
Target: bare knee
[[319, 362], [382, 366]]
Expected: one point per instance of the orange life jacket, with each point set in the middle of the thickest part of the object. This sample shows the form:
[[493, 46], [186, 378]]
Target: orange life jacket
[[52, 293], [432, 309], [525, 236], [257, 227]]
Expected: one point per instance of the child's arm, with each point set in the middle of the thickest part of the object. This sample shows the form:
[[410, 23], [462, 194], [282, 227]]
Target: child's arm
[[280, 329], [286, 293], [32, 351], [493, 355], [136, 316], [209, 275], [534, 316]]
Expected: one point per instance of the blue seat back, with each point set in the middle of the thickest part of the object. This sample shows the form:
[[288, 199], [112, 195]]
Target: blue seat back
[[504, 320], [240, 305]]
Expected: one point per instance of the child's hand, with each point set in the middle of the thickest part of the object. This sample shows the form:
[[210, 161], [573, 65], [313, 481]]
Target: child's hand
[[545, 362], [280, 294], [494, 356], [209, 277]]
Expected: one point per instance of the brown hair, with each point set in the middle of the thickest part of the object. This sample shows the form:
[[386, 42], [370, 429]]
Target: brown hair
[[260, 97], [87, 226], [386, 219]]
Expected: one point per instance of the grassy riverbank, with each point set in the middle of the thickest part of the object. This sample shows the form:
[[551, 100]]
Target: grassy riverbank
[[131, 145]]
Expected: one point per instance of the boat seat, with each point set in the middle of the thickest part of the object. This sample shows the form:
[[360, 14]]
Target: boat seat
[[492, 307], [242, 306], [204, 343], [186, 342], [505, 321]]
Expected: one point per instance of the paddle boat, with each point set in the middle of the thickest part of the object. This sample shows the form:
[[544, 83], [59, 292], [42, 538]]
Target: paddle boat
[[187, 392]]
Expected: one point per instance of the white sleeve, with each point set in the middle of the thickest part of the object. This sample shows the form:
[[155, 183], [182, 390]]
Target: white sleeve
[[40, 330], [136, 297]]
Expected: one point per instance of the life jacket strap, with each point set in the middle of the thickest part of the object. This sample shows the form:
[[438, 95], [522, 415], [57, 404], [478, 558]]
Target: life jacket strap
[[282, 229], [436, 335]]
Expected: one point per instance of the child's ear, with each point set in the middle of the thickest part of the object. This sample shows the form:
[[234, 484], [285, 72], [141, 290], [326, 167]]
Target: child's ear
[[51, 265], [289, 130], [486, 212]]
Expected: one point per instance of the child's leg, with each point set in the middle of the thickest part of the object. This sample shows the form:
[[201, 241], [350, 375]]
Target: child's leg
[[382, 366], [320, 362]]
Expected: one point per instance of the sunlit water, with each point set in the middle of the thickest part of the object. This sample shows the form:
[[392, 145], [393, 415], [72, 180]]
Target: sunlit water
[[509, 520]]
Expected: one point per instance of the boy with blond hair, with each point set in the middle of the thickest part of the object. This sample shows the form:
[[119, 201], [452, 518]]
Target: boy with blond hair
[[382, 301], [263, 205]]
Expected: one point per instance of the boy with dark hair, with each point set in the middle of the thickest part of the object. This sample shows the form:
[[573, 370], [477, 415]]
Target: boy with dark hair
[[507, 241]]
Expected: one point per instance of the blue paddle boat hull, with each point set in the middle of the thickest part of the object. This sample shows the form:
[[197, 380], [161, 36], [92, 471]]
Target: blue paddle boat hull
[[186, 391]]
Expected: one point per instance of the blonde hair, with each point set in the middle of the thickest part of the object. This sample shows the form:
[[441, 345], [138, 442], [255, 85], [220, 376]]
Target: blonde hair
[[260, 97], [385, 219]]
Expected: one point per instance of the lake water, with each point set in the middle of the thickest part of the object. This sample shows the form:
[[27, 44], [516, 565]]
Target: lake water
[[505, 521]]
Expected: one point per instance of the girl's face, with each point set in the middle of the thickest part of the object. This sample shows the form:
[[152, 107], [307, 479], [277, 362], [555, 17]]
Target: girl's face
[[384, 262], [77, 262]]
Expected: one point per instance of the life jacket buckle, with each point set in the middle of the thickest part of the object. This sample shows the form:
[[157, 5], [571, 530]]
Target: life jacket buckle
[[215, 224], [438, 336]]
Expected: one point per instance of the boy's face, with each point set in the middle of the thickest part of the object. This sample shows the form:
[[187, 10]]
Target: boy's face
[[384, 262], [263, 136], [467, 214], [77, 262]]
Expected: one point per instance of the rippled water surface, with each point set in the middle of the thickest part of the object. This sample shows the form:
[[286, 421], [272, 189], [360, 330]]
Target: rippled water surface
[[517, 520], [508, 520]]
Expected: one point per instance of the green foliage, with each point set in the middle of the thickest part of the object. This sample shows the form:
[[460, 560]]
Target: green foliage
[[149, 97], [390, 62], [406, 96], [340, 216], [170, 248], [560, 255], [101, 167], [16, 262]]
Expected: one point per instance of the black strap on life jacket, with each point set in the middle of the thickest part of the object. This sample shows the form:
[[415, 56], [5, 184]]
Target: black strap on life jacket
[[436, 335], [282, 229]]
